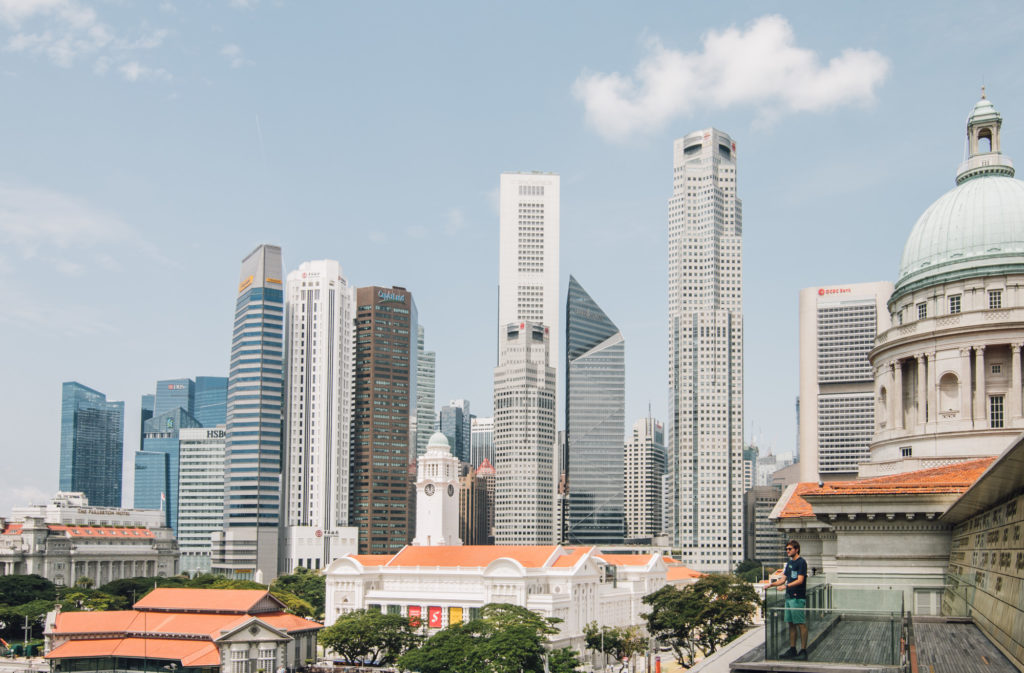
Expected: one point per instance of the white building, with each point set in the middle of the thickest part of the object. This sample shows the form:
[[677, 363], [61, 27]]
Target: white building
[[524, 436], [201, 494], [705, 271], [644, 468], [319, 323], [426, 376], [529, 213], [838, 326], [481, 440], [437, 495], [67, 539]]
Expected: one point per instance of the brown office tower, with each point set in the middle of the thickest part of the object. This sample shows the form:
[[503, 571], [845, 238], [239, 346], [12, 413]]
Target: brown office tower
[[473, 508], [384, 394]]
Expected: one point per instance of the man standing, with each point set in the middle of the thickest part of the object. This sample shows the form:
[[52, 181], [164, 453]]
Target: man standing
[[794, 579]]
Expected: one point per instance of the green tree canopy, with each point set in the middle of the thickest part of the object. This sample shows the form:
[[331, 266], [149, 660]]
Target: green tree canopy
[[615, 641], [18, 589], [368, 635], [308, 585]]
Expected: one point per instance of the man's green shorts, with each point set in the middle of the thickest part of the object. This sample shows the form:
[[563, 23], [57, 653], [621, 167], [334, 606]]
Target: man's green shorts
[[795, 614]]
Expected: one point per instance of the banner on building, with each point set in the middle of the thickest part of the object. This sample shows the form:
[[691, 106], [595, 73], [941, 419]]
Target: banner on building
[[454, 616], [434, 619], [414, 616]]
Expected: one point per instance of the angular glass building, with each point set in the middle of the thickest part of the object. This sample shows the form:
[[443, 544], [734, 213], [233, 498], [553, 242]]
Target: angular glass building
[[156, 465], [211, 401], [595, 403], [91, 444]]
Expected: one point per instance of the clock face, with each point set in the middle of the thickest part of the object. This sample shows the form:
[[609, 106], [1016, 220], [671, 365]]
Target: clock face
[[451, 490], [429, 489]]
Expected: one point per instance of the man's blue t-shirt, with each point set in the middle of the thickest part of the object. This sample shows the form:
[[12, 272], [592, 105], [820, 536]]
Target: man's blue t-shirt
[[795, 568]]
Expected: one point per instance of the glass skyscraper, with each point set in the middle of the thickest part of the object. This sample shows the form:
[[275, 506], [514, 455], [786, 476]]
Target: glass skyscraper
[[595, 410], [426, 362], [174, 394], [454, 422], [156, 465], [91, 444], [247, 546], [211, 401]]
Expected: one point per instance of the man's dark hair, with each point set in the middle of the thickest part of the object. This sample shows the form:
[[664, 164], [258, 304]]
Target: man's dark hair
[[794, 544]]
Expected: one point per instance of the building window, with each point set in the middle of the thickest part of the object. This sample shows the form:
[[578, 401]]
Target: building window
[[997, 369], [239, 661], [995, 411], [268, 659], [954, 304], [995, 298], [922, 311], [906, 451]]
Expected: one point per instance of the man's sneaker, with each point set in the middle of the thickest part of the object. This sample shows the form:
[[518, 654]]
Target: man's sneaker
[[801, 655], [788, 654]]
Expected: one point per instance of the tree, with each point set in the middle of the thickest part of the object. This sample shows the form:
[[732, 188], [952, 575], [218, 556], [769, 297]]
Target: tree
[[564, 660], [368, 635], [18, 589], [308, 585], [618, 642], [701, 616]]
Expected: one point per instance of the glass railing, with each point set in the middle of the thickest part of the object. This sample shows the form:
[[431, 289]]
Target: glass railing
[[957, 596]]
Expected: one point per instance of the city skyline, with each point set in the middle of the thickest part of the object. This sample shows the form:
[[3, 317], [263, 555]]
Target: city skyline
[[158, 220]]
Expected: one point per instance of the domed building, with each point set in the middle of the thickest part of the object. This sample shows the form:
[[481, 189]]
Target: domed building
[[948, 372]]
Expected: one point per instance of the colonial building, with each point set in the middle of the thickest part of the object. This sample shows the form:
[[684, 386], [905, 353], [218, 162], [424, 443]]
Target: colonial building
[[67, 540], [207, 630]]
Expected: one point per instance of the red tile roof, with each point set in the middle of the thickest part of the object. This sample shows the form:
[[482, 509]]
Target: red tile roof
[[188, 652], [626, 559], [796, 506], [372, 559], [471, 556], [570, 558], [203, 600], [100, 531], [13, 529], [681, 572]]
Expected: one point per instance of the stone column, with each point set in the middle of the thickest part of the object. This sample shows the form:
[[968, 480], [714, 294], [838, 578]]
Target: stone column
[[898, 395], [922, 392], [980, 415], [1015, 385], [933, 388], [965, 383], [890, 405]]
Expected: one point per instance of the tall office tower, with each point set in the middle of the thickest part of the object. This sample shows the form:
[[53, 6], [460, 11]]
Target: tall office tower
[[528, 256], [247, 547], [481, 440], [91, 444], [211, 401], [473, 508], [174, 394], [668, 502], [750, 454], [146, 406], [426, 370], [319, 350], [645, 467], [763, 540], [838, 326], [705, 309], [595, 412], [455, 423], [201, 484], [486, 473], [385, 391], [157, 463], [524, 437]]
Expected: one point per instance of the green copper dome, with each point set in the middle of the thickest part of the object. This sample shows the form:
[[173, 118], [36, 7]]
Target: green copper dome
[[977, 228]]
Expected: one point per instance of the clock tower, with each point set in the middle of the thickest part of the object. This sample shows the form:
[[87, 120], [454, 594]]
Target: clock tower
[[437, 495]]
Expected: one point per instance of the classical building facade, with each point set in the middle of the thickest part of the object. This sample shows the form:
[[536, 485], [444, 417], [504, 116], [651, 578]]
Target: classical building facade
[[67, 539], [948, 372]]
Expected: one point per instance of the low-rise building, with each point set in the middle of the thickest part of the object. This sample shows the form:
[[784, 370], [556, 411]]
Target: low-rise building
[[202, 630], [68, 539]]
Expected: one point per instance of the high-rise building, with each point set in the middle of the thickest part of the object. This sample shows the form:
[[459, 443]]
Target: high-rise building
[[426, 371], [385, 391], [247, 547], [595, 411], [319, 350], [455, 423], [174, 394], [473, 508], [91, 444], [763, 539], [481, 440], [485, 472], [838, 326], [201, 485], [528, 277], [211, 400], [524, 437], [157, 463], [644, 469], [750, 454], [705, 271]]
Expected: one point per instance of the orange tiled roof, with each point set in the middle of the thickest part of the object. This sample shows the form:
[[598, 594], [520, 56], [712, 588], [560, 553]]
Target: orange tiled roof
[[188, 652], [681, 572], [372, 559], [669, 560], [100, 531], [13, 529], [202, 600], [283, 621], [471, 556], [626, 559], [955, 478], [796, 506], [571, 558], [141, 623]]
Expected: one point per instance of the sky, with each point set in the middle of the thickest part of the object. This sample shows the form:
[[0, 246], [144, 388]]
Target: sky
[[148, 147]]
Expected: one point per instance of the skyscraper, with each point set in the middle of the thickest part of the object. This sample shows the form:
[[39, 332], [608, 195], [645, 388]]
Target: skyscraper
[[174, 394], [201, 485], [320, 347], [247, 547], [426, 364], [595, 408], [524, 437], [528, 257], [385, 391], [157, 463], [645, 467], [455, 423], [838, 326], [211, 401], [91, 444], [481, 440], [705, 309]]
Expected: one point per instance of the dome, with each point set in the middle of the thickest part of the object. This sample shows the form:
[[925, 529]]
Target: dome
[[438, 442], [977, 228]]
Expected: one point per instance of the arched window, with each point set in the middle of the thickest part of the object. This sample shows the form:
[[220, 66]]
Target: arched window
[[984, 140], [949, 393], [882, 411]]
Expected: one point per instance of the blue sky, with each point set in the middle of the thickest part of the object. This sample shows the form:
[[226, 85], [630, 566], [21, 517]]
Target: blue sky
[[148, 147]]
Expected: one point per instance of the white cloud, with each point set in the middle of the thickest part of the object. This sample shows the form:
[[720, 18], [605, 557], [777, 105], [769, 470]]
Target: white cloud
[[243, 4], [233, 53], [760, 66], [456, 221], [133, 71]]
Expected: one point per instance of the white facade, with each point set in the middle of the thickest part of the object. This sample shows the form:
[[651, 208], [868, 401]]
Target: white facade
[[838, 326], [319, 324], [524, 437], [201, 494], [529, 214], [705, 286], [437, 495], [644, 469], [426, 376], [481, 441]]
